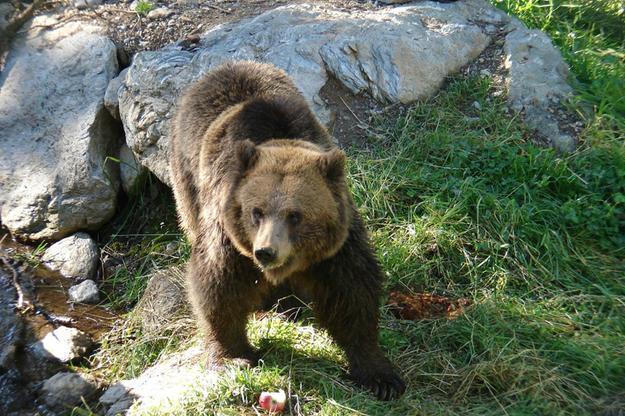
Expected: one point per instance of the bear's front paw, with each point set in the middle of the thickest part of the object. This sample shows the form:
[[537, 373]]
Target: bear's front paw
[[384, 384], [247, 359], [244, 362]]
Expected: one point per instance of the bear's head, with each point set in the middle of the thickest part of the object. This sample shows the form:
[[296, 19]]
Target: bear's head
[[291, 207]]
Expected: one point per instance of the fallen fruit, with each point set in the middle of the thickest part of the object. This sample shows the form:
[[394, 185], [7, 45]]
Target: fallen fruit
[[272, 401]]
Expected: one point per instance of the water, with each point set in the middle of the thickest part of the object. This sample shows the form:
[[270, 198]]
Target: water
[[47, 291], [44, 307]]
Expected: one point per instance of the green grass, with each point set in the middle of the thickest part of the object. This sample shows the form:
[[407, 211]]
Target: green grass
[[143, 7], [459, 202]]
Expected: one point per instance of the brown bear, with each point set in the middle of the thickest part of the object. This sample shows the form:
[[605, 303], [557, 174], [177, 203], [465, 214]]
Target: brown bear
[[261, 193]]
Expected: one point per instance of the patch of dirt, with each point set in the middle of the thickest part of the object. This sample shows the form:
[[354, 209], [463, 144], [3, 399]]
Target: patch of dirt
[[491, 63], [352, 114], [425, 306]]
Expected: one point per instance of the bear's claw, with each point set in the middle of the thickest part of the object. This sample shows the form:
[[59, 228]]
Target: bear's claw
[[385, 385]]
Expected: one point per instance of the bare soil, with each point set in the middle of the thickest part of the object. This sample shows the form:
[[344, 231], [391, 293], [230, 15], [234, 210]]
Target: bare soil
[[420, 306]]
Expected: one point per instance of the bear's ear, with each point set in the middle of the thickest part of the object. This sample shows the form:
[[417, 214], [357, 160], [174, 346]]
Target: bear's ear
[[247, 154], [332, 165]]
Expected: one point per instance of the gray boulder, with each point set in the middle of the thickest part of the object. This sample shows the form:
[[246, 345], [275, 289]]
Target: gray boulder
[[396, 54], [74, 257], [55, 133], [65, 390], [85, 292], [160, 387], [537, 82]]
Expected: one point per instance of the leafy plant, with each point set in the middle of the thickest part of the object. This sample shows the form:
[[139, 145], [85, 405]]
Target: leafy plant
[[144, 7]]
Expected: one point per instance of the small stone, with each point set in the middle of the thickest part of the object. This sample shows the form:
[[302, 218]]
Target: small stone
[[66, 390], [111, 101], [477, 105], [159, 13], [80, 4], [85, 292], [75, 256], [65, 344], [131, 171], [171, 248], [84, 4], [485, 73]]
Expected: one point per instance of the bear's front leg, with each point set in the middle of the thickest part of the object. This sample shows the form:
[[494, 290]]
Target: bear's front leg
[[223, 291], [346, 292], [353, 325]]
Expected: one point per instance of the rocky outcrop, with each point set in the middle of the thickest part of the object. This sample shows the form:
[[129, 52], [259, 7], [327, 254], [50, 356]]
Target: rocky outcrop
[[55, 134], [394, 54], [160, 387]]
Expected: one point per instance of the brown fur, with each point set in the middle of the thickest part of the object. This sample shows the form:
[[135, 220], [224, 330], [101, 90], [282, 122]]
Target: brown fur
[[253, 170]]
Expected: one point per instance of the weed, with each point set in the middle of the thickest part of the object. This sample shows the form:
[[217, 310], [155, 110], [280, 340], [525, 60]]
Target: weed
[[144, 7]]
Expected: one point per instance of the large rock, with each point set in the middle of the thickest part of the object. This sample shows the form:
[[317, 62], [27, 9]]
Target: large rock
[[394, 54], [160, 388], [74, 257], [537, 82], [55, 133]]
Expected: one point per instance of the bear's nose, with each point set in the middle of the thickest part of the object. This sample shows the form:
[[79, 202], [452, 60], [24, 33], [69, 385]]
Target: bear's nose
[[265, 255]]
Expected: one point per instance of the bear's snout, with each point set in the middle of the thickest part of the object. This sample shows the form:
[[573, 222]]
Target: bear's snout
[[266, 255]]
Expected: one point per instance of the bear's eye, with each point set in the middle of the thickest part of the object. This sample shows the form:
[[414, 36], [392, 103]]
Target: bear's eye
[[257, 215], [294, 218]]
